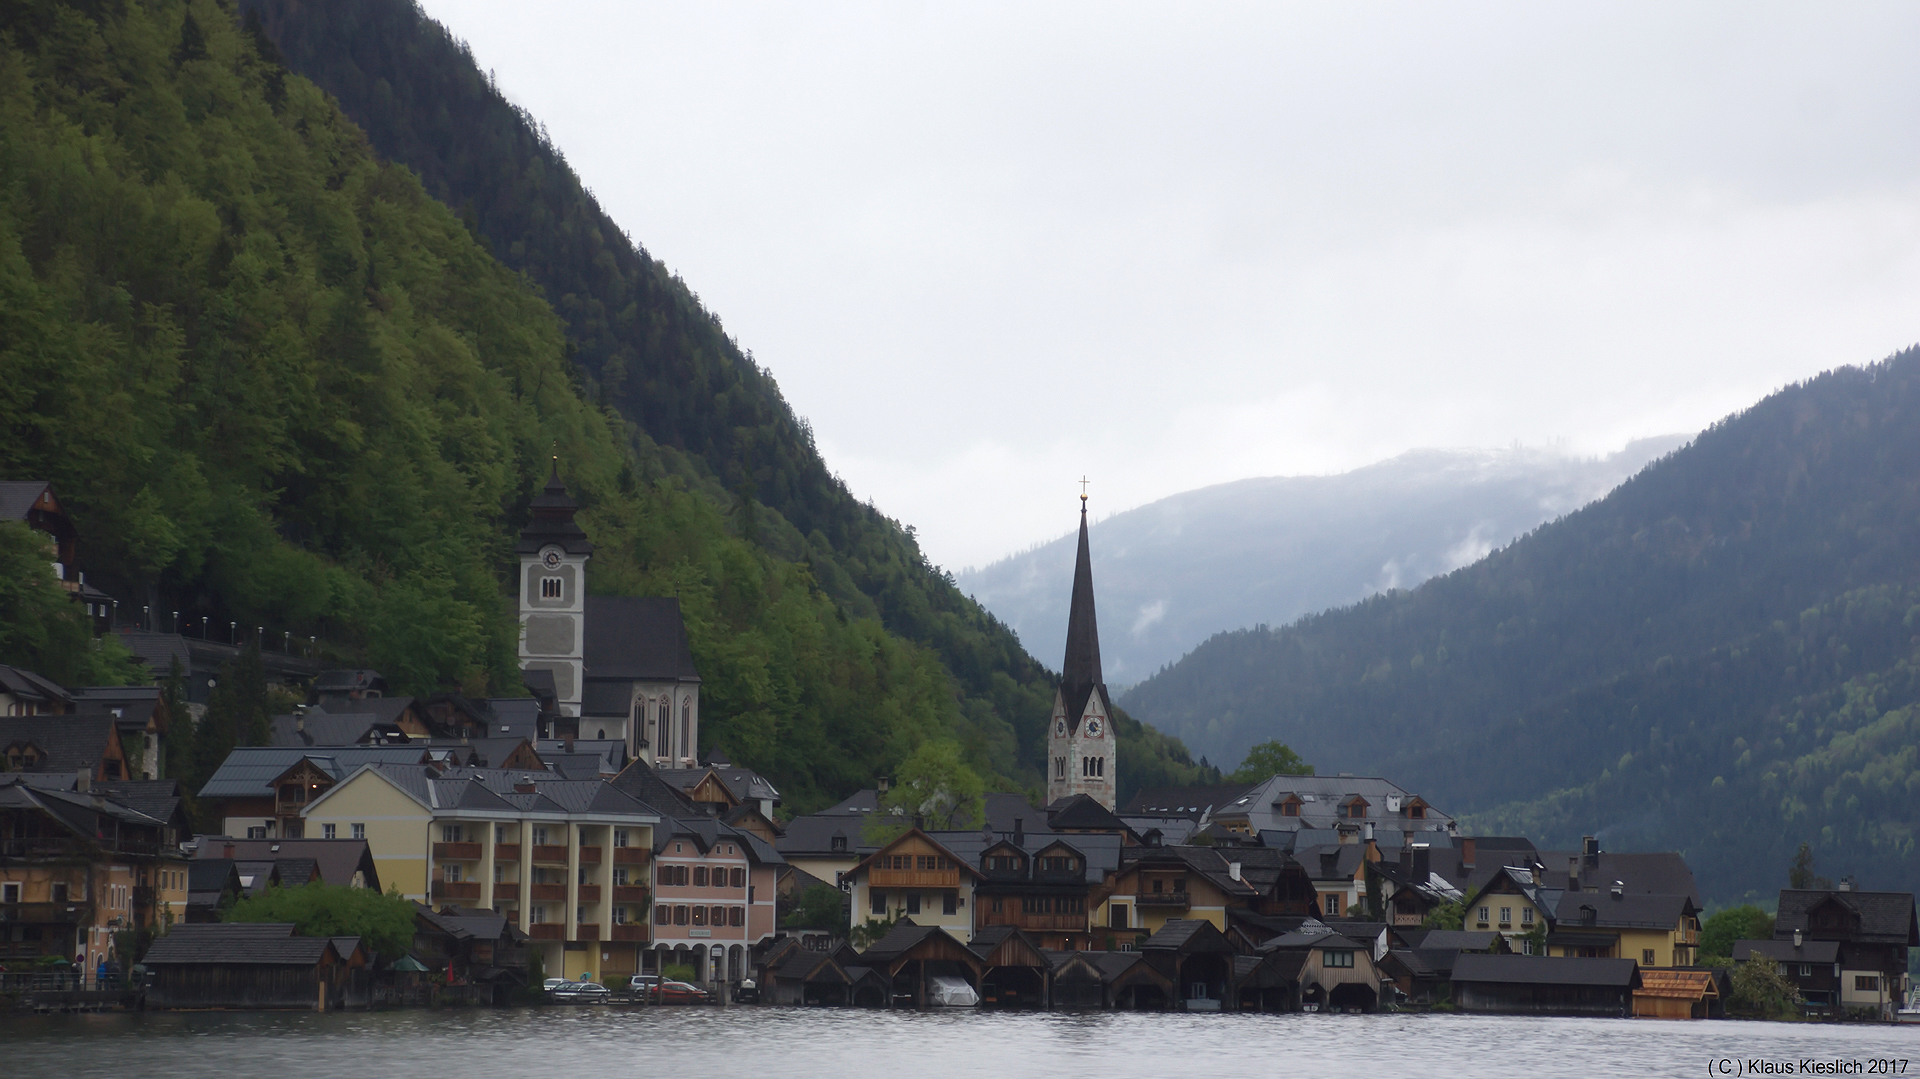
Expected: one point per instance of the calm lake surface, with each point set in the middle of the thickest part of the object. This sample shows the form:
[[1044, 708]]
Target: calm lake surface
[[779, 1043]]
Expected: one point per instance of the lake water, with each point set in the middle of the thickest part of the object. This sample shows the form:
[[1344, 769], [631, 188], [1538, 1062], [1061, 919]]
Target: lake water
[[779, 1043]]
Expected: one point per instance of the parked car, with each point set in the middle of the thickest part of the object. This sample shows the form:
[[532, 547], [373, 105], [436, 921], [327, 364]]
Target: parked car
[[682, 993], [642, 983], [747, 992], [581, 993], [552, 983]]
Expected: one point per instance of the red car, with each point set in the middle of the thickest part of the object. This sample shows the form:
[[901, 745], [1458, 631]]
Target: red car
[[682, 993]]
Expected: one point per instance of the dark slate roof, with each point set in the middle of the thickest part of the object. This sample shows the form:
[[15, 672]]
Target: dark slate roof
[[157, 798], [1885, 917], [209, 874], [132, 706], [18, 496], [1457, 940], [386, 710], [1179, 934], [642, 781], [1337, 861], [25, 684], [863, 802], [322, 728], [1081, 811], [335, 860], [1080, 675], [1207, 861], [158, 650], [1545, 970], [603, 698], [1308, 938], [1809, 951], [249, 771], [637, 638], [1624, 911], [1649, 873], [293, 872], [237, 943], [1188, 802], [357, 680], [901, 938], [71, 743], [552, 520], [1100, 853], [517, 717], [813, 835]]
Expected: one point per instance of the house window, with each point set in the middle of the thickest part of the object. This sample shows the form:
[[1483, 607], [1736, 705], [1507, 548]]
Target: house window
[[540, 836], [1483, 915], [1117, 918], [1339, 958], [680, 915], [839, 843], [663, 915], [549, 588], [257, 832], [1506, 915], [877, 902], [1806, 970], [326, 831], [948, 901], [699, 915], [1646, 957], [620, 876], [619, 837], [9, 893], [539, 914], [619, 915], [449, 833], [359, 831], [1417, 812], [499, 873], [700, 876], [739, 878], [719, 916], [1526, 915], [737, 916], [913, 902], [1866, 983], [1291, 809], [450, 873], [1331, 904], [500, 834]]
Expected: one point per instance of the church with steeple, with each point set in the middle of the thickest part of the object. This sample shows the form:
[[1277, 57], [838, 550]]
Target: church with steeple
[[621, 666], [1081, 752]]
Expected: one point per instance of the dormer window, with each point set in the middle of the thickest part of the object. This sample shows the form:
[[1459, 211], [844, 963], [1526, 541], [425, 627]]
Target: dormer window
[[839, 843]]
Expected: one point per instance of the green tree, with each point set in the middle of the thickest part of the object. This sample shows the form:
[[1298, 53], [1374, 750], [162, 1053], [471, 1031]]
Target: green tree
[[383, 922], [1269, 759], [1445, 916], [937, 787], [820, 906], [864, 935], [1760, 991], [1800, 873], [41, 628], [1746, 922]]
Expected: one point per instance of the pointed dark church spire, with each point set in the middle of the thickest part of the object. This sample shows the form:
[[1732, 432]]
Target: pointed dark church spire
[[552, 520], [1081, 668]]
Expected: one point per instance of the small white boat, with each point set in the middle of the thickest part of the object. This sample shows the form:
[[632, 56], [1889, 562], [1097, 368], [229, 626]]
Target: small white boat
[[946, 991]]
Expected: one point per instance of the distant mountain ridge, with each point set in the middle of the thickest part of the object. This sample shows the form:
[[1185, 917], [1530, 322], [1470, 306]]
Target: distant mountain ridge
[[1721, 657], [1266, 551]]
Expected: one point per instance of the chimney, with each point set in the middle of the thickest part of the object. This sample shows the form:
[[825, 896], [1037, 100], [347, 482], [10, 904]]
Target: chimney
[[1422, 864], [1019, 830], [524, 785], [1467, 854], [1846, 884], [1368, 832], [1233, 870], [1590, 850], [1573, 874], [1619, 889], [83, 781], [1796, 940], [884, 785], [229, 852]]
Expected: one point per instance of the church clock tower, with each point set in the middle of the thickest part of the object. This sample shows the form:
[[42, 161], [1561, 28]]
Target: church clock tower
[[1080, 743], [553, 555]]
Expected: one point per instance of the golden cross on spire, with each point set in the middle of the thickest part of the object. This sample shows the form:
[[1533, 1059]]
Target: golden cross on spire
[[1083, 488]]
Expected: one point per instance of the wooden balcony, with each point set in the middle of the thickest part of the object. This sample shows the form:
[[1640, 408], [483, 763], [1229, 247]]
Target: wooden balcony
[[1039, 923], [631, 855], [629, 893], [456, 852], [456, 889], [630, 931], [913, 878], [1162, 900], [589, 855], [549, 893], [550, 852], [547, 931], [587, 931], [506, 852], [589, 893]]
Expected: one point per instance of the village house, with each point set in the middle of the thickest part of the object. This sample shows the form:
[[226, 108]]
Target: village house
[[916, 877], [715, 896], [1872, 932], [1163, 884], [78, 867], [1813, 966], [256, 965], [1652, 930], [544, 850]]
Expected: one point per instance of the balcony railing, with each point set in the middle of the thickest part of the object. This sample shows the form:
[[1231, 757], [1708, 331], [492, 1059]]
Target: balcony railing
[[506, 852], [589, 893], [550, 893], [630, 931], [547, 931], [629, 893], [456, 852], [54, 847], [1056, 923], [587, 931], [45, 913], [630, 855], [914, 878], [456, 889], [550, 852], [1175, 900], [589, 855]]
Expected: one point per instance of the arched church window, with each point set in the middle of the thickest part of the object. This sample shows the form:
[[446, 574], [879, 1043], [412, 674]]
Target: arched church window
[[686, 727]]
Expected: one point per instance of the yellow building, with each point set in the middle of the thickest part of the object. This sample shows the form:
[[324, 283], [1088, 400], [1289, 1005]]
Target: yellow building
[[1167, 884], [916, 877], [569, 860], [1512, 904], [1652, 930]]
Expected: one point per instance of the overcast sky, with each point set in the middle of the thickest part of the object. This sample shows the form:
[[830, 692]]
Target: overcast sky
[[989, 249]]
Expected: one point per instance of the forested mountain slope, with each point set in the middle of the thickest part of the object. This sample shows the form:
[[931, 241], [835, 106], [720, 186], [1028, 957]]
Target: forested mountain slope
[[1719, 657], [1266, 551], [276, 382], [693, 402]]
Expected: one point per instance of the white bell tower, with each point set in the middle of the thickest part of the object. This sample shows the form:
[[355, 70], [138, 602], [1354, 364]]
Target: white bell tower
[[553, 587]]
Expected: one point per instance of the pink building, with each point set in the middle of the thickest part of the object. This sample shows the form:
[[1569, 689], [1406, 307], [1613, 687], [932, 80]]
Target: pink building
[[714, 897]]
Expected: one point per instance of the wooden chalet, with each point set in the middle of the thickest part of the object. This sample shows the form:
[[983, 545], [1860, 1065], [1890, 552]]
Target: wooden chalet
[[1332, 971], [1676, 994], [254, 966], [1198, 959], [1016, 971], [1043, 894], [915, 877]]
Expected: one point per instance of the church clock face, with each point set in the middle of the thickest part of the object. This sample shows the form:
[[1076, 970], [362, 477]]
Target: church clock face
[[552, 559], [1093, 728]]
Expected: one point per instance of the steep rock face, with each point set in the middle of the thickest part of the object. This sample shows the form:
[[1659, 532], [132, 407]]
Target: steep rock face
[[1267, 551], [1717, 657]]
